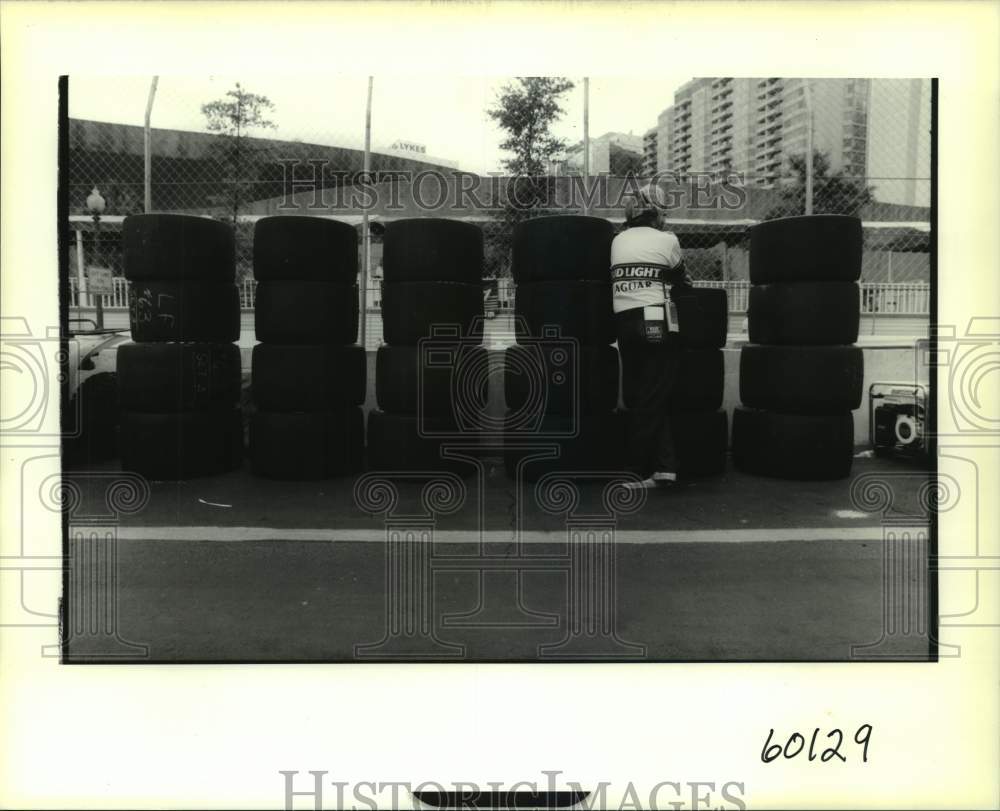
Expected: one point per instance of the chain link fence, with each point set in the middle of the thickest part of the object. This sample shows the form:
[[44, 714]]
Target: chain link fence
[[729, 151]]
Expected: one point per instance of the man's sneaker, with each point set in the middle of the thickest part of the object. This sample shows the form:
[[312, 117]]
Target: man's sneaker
[[665, 478], [645, 484]]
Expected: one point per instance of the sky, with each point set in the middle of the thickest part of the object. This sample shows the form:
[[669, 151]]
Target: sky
[[445, 113]]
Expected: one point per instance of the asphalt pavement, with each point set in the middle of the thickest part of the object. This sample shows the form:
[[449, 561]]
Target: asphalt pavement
[[237, 568]]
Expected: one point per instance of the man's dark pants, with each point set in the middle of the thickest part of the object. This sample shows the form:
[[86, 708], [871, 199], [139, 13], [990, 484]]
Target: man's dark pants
[[649, 372]]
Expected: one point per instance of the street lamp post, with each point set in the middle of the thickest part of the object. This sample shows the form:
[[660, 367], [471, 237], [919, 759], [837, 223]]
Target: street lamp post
[[95, 205]]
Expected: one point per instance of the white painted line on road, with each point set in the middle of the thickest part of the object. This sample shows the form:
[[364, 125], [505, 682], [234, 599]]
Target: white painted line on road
[[853, 514], [631, 536]]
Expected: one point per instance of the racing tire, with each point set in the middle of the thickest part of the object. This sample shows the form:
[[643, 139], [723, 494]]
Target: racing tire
[[177, 247], [446, 381], [306, 313], [793, 446], [307, 445], [698, 386], [307, 249], [562, 249], [700, 441], [703, 318], [597, 446], [206, 312], [181, 445], [580, 310], [427, 249], [801, 379], [814, 248], [178, 376], [412, 311], [816, 313], [313, 377], [561, 378], [405, 443]]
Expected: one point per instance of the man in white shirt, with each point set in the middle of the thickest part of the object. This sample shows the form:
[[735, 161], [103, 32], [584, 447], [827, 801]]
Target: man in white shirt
[[644, 260]]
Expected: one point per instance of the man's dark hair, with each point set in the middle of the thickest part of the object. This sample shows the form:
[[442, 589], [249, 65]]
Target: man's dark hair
[[645, 218]]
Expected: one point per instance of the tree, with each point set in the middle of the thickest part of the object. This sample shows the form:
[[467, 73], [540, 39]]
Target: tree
[[526, 109], [624, 162], [232, 118], [832, 194]]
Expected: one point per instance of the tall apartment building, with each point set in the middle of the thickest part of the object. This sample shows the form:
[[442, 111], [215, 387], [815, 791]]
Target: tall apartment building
[[687, 147], [664, 137], [735, 107], [840, 122], [866, 127], [649, 157]]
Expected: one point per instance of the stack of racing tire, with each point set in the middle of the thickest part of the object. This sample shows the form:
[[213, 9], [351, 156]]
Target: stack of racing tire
[[800, 376], [561, 376], [308, 374], [431, 373], [179, 382], [699, 424]]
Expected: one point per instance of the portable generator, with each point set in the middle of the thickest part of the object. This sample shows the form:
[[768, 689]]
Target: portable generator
[[897, 416]]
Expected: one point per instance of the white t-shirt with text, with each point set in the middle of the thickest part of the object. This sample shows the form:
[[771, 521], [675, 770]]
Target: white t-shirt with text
[[644, 261]]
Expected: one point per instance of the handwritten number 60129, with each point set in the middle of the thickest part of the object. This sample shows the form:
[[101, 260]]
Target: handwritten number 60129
[[796, 745]]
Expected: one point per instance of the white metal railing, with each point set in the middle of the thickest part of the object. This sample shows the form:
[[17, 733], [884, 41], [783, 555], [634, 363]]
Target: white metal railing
[[247, 289], [116, 301], [119, 299], [737, 292], [877, 298], [902, 298]]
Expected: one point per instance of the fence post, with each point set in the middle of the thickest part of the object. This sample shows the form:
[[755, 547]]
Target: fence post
[[586, 145], [365, 235], [809, 146], [148, 151]]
